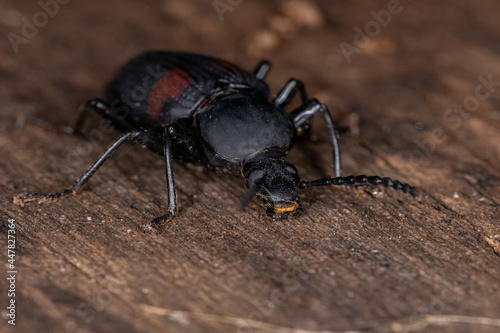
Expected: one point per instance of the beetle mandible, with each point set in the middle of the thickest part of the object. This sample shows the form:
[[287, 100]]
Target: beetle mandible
[[212, 112]]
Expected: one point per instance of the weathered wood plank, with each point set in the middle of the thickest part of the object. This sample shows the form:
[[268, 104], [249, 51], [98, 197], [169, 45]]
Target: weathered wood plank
[[350, 263]]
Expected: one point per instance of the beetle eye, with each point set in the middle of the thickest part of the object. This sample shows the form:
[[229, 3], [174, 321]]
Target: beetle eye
[[254, 176]]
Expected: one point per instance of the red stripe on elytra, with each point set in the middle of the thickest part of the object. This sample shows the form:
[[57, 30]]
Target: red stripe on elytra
[[171, 85]]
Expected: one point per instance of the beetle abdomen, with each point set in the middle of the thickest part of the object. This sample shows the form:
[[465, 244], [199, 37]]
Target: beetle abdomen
[[162, 87]]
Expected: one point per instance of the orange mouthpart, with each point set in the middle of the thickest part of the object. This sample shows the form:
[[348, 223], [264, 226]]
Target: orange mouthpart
[[287, 209]]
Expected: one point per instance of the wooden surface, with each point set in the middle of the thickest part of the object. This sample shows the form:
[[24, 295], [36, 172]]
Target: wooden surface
[[352, 263]]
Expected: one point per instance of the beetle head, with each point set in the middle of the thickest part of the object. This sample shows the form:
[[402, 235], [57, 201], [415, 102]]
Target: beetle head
[[275, 182]]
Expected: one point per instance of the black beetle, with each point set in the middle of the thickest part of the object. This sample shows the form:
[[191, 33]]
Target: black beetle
[[209, 111]]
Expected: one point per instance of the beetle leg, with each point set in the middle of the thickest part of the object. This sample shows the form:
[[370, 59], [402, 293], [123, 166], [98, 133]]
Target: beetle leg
[[172, 201], [96, 104], [191, 149], [262, 69], [308, 110], [49, 126], [52, 197], [286, 93], [140, 137]]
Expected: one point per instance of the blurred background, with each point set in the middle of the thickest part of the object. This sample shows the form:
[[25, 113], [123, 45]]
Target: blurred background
[[416, 82]]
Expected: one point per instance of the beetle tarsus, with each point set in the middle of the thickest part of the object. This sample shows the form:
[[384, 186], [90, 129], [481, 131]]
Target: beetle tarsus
[[158, 222], [24, 198]]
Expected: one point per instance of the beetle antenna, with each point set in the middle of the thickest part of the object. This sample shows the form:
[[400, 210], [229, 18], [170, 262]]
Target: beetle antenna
[[374, 180]]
